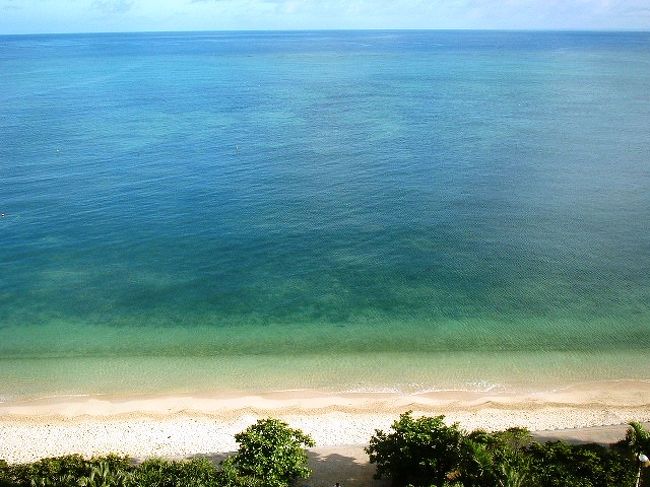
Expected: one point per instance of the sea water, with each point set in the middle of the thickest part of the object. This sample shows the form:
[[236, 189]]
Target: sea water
[[381, 210]]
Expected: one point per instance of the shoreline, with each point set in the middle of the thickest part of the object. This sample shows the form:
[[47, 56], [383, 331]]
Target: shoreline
[[181, 426], [402, 373]]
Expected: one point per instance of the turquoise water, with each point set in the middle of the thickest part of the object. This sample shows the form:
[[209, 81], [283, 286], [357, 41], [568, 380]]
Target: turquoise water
[[335, 210]]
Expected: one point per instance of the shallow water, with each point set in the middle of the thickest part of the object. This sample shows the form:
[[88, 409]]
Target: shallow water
[[338, 210]]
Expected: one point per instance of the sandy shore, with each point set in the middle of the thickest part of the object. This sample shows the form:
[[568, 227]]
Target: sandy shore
[[182, 426]]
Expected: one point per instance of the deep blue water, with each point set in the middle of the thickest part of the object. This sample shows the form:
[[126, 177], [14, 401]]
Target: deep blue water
[[292, 194]]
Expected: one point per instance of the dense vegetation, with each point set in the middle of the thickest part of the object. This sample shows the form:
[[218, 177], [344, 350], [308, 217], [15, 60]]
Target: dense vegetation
[[417, 451], [425, 452]]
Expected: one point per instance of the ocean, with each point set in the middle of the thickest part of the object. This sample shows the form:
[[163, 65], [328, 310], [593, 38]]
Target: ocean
[[342, 211]]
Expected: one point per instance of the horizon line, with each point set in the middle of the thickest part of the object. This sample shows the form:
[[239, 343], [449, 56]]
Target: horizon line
[[373, 29]]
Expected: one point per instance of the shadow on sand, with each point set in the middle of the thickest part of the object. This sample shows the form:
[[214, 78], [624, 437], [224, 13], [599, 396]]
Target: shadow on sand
[[347, 465]]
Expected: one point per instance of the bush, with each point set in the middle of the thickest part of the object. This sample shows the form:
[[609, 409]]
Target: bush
[[638, 438], [418, 452], [67, 471], [4, 474], [270, 454], [559, 464], [425, 452], [162, 473], [495, 459]]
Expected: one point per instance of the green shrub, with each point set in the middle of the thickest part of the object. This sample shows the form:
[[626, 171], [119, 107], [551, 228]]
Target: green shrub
[[495, 459], [162, 473], [4, 474], [425, 452], [559, 464], [66, 471], [418, 452], [231, 477], [638, 438], [60, 471], [270, 454], [106, 474]]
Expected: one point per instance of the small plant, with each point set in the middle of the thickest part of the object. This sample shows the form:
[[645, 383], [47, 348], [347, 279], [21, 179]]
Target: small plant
[[56, 481], [102, 475]]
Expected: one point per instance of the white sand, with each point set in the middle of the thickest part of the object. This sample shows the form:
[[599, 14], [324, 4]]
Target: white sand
[[182, 426]]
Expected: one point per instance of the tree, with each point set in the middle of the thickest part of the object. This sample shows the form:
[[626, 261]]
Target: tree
[[495, 459], [638, 438], [419, 452], [271, 454]]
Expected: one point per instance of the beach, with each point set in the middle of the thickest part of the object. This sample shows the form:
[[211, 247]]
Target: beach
[[185, 426], [330, 228]]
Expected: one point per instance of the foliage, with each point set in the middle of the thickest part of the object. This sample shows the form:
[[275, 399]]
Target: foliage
[[425, 452], [4, 474], [495, 459], [230, 476], [638, 438], [162, 473], [67, 471], [559, 464], [111, 471], [103, 475], [419, 452], [271, 454]]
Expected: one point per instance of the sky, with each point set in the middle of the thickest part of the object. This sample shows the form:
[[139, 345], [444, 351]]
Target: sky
[[68, 16]]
